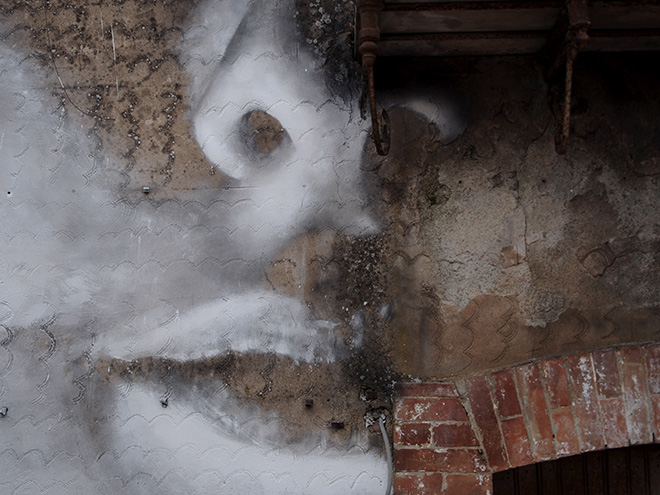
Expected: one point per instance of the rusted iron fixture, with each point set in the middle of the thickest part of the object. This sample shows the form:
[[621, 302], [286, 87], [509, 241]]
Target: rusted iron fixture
[[368, 37], [556, 29], [577, 38]]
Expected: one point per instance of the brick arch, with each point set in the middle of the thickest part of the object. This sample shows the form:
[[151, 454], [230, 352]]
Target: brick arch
[[450, 437]]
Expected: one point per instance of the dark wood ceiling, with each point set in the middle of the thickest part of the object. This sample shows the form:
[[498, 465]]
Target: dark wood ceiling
[[482, 27]]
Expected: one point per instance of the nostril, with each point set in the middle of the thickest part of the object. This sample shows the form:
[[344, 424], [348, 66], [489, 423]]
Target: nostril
[[264, 132]]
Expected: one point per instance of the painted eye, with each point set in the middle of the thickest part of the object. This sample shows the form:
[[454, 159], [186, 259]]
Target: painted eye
[[263, 133]]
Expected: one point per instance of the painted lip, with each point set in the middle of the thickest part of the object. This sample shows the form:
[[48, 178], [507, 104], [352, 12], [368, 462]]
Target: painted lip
[[257, 321]]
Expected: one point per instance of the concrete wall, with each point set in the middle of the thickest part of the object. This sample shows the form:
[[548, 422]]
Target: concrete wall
[[232, 327]]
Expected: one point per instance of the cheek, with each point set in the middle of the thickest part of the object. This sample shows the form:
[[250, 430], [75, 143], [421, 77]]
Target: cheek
[[214, 134], [322, 166]]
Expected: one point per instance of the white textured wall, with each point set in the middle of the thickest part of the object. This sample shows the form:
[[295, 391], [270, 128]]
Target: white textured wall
[[86, 273]]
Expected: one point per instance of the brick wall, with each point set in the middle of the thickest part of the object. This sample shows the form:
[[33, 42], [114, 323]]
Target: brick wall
[[449, 437]]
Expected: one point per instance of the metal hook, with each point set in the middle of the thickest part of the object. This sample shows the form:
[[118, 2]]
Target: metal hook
[[576, 38], [368, 37], [380, 121]]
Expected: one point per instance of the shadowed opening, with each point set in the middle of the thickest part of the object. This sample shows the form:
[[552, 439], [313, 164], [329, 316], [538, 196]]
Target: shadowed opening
[[627, 471]]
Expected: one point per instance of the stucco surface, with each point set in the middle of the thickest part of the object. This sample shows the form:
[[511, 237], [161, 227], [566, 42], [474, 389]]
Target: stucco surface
[[525, 253], [229, 329], [156, 341]]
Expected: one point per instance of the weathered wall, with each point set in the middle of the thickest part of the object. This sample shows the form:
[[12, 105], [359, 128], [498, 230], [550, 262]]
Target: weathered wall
[[510, 251], [161, 342], [276, 259]]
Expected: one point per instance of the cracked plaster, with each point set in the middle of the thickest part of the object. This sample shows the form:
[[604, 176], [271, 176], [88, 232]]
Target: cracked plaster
[[472, 246]]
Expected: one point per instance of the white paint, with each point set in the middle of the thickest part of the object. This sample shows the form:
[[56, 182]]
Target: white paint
[[439, 108], [226, 463], [313, 181], [420, 408], [114, 51], [260, 321], [189, 287]]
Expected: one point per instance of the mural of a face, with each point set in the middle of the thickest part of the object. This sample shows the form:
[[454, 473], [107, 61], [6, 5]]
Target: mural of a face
[[309, 174], [292, 154], [93, 279]]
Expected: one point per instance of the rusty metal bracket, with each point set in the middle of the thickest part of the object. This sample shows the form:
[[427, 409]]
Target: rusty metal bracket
[[576, 39], [368, 37]]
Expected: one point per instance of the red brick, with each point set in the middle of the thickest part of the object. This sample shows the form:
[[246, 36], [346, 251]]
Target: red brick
[[614, 423], [632, 355], [418, 484], [635, 396], [486, 420], [566, 437], [447, 460], [607, 373], [505, 393], [556, 382], [536, 412], [412, 434], [427, 389], [430, 409], [454, 435], [517, 442], [653, 368], [406, 484], [468, 484], [655, 405], [581, 377]]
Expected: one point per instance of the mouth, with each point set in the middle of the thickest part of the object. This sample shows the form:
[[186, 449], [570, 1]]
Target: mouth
[[266, 399], [239, 418], [280, 366]]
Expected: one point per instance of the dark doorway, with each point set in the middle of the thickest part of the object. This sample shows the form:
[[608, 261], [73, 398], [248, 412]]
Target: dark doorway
[[627, 471]]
